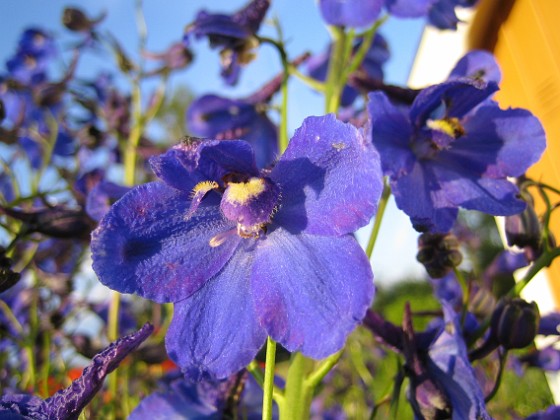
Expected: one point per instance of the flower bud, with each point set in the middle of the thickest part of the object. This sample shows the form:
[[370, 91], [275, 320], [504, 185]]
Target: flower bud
[[524, 230], [515, 323], [439, 253], [2, 110], [77, 21], [8, 278]]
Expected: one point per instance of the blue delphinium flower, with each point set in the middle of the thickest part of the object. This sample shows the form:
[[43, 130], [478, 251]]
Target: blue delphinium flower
[[67, 404], [350, 13], [245, 253], [234, 34], [454, 148]]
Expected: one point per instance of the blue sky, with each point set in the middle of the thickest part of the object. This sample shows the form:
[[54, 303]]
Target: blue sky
[[303, 31]]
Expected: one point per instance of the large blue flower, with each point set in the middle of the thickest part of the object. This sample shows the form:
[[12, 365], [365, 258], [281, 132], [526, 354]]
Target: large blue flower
[[454, 148], [245, 253]]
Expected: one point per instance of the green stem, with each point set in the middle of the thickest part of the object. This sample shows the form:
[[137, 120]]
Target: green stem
[[336, 63], [309, 81], [298, 398], [378, 218], [543, 261], [318, 374], [268, 384]]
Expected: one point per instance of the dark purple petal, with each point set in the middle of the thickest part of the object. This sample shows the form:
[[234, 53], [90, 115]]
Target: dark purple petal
[[409, 8], [22, 407], [210, 115], [391, 135], [477, 64], [222, 29], [550, 324], [68, 403], [547, 358], [330, 179], [458, 97], [215, 332], [449, 365], [462, 188], [145, 244], [551, 413], [310, 291], [252, 15], [421, 197], [352, 13], [196, 160], [442, 15]]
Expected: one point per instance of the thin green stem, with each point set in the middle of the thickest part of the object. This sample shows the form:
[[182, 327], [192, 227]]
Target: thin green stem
[[309, 81], [268, 383], [378, 218], [543, 261], [324, 368], [336, 64], [256, 371], [45, 368]]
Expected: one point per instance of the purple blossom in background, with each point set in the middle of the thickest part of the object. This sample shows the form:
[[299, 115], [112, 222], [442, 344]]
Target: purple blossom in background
[[371, 66], [440, 13], [551, 413], [245, 253], [351, 13], [454, 148], [208, 399], [547, 358], [478, 65], [68, 403], [234, 34]]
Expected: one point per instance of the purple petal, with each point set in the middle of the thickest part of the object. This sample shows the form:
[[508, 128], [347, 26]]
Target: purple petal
[[100, 197], [352, 13], [550, 324], [429, 208], [330, 179], [210, 115], [391, 134], [477, 64], [196, 160], [222, 28], [145, 245], [547, 359], [22, 407], [311, 291], [409, 8], [551, 413], [502, 142], [498, 197], [442, 15], [457, 96], [69, 402], [215, 332], [449, 365]]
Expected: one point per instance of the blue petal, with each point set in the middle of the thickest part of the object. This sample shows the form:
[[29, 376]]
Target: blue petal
[[311, 291], [409, 8], [498, 143], [420, 196], [351, 13], [391, 135], [330, 179], [22, 407], [477, 64], [196, 160], [459, 96], [449, 364], [215, 332], [222, 28], [69, 402], [442, 15], [145, 245], [461, 187]]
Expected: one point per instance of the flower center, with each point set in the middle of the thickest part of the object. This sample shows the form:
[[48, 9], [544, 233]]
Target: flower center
[[251, 203]]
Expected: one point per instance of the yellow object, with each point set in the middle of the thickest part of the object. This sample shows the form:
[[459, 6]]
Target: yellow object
[[525, 38]]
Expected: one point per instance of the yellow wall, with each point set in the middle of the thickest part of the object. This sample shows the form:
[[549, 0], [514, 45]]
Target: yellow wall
[[528, 50]]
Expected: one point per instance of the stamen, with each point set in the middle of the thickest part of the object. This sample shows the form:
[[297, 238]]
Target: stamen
[[199, 192], [220, 238]]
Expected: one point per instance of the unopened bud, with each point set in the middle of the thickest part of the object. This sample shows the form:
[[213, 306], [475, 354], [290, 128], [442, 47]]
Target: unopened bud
[[76, 20], [8, 278], [439, 253], [515, 323]]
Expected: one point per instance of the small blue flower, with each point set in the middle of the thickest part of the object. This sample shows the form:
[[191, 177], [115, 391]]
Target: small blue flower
[[454, 148], [245, 253], [234, 34], [440, 13]]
